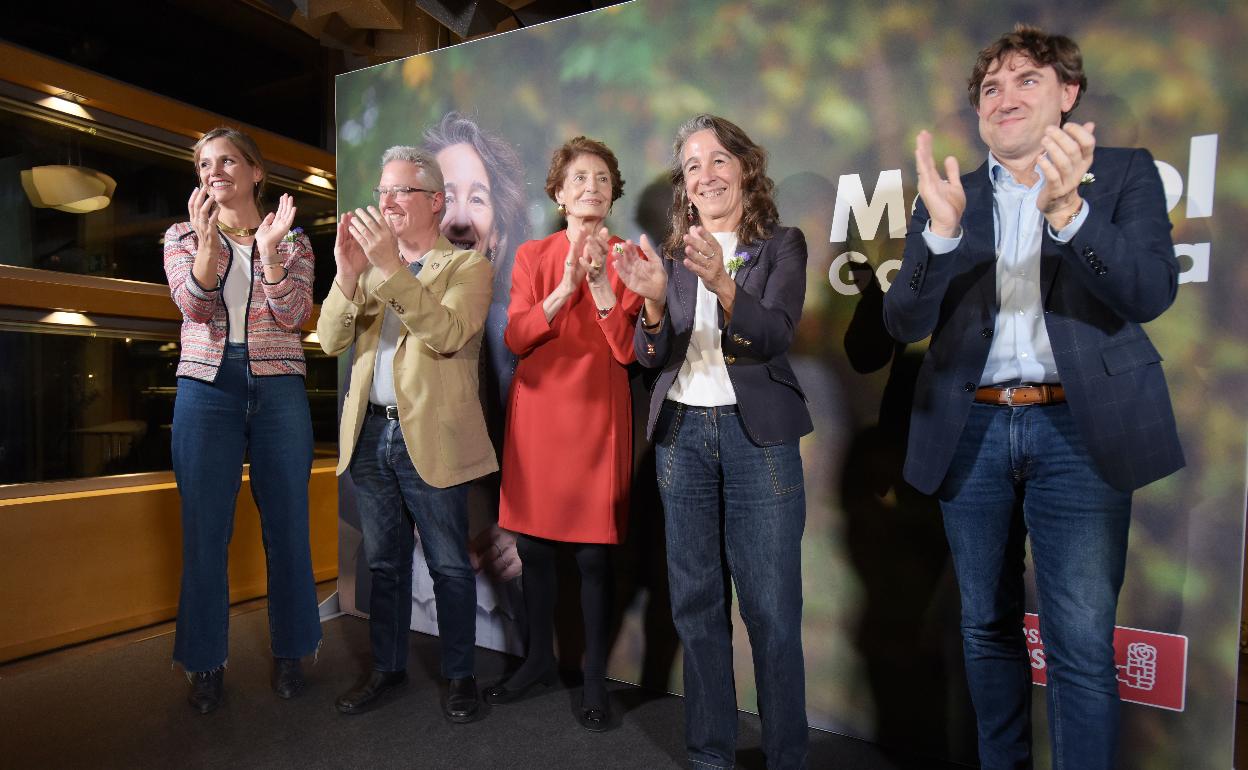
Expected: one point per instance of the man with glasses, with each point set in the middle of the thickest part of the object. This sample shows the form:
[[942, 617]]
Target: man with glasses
[[412, 432]]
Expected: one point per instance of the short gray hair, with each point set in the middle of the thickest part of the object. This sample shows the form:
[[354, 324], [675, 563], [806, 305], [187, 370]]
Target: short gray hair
[[422, 159]]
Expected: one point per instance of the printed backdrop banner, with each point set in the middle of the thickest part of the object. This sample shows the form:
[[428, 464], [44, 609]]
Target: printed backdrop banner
[[836, 92]]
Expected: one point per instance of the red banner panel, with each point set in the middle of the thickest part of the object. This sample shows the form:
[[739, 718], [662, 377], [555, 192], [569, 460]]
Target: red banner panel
[[1152, 666]]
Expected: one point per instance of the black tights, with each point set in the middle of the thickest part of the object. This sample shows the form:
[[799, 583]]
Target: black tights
[[593, 559]]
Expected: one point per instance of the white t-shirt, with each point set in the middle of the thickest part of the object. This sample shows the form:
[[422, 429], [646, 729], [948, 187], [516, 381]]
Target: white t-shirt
[[237, 290], [703, 378]]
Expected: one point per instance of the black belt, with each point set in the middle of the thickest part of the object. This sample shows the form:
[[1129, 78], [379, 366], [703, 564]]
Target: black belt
[[714, 411], [389, 412]]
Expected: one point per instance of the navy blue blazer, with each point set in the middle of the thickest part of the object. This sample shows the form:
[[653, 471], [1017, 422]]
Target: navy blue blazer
[[771, 287], [1116, 273]]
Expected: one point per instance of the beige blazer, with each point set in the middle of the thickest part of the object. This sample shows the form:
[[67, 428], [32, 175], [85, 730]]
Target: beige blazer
[[435, 364]]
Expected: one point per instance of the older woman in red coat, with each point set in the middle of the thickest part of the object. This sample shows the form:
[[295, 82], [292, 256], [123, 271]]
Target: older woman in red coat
[[567, 455]]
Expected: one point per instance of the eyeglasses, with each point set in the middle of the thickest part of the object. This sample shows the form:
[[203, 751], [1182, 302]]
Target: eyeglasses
[[400, 192]]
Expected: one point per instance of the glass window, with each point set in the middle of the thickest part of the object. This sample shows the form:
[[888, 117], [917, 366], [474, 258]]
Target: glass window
[[121, 240], [100, 403]]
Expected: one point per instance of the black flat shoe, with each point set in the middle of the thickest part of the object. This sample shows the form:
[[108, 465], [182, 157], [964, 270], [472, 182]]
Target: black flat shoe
[[462, 700], [501, 694], [288, 678], [368, 693], [207, 689]]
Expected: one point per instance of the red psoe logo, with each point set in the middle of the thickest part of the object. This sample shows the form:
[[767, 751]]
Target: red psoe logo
[[1152, 666]]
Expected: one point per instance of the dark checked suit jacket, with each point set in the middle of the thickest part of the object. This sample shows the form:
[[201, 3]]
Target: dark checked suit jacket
[[771, 288], [1116, 273]]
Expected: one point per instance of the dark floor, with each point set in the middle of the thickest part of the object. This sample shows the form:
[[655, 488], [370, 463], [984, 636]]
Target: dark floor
[[118, 703]]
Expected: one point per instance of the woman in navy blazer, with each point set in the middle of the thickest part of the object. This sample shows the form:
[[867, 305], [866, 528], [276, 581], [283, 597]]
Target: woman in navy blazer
[[726, 414]]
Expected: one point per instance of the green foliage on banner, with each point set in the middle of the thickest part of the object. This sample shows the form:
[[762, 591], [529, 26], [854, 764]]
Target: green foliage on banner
[[842, 88]]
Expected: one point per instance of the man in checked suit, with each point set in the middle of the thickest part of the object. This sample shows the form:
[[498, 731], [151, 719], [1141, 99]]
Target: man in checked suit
[[412, 432], [1041, 403]]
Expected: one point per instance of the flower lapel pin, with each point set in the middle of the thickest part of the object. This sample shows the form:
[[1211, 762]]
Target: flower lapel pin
[[291, 236], [738, 262], [1087, 178]]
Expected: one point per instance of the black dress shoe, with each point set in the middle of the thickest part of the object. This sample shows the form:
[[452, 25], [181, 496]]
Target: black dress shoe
[[462, 701], [594, 719], [500, 694], [207, 689], [287, 677], [368, 693]]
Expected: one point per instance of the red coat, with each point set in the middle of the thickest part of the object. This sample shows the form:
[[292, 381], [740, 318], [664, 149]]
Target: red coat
[[568, 454]]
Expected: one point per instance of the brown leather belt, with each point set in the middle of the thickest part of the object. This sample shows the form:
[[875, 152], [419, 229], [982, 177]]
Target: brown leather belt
[[1021, 395]]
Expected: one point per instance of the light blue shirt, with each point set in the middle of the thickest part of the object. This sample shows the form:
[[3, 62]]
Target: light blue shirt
[[1020, 350], [381, 392]]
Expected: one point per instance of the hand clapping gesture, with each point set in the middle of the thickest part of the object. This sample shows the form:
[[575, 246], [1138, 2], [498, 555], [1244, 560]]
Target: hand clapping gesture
[[376, 237], [594, 258], [705, 258], [641, 271], [203, 211], [1067, 157], [274, 227], [574, 265], [944, 198], [349, 259]]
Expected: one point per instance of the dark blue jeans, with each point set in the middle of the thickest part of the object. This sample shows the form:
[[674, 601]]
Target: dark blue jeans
[[214, 424], [735, 513], [391, 495], [1022, 472]]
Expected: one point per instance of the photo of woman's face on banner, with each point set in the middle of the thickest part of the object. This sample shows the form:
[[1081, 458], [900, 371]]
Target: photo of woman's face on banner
[[836, 94]]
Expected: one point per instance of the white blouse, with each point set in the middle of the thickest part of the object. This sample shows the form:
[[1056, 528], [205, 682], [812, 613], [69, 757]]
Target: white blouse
[[237, 290], [703, 378]]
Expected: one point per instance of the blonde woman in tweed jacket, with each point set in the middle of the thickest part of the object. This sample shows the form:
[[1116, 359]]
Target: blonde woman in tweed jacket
[[243, 281]]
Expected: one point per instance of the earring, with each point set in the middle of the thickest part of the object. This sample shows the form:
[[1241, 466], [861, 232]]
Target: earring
[[563, 210], [689, 215]]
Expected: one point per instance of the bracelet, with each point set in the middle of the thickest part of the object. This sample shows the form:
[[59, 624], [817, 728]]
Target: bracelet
[[650, 327], [275, 263], [1071, 219], [267, 282]]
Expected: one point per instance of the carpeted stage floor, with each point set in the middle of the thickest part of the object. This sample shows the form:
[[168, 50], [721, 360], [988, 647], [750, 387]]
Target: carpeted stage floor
[[120, 705]]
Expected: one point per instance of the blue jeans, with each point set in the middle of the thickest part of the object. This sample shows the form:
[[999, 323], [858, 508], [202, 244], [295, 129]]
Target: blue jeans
[[391, 495], [213, 425], [1022, 472], [734, 511]]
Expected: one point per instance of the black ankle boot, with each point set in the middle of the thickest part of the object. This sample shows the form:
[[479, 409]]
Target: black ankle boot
[[207, 689], [288, 678]]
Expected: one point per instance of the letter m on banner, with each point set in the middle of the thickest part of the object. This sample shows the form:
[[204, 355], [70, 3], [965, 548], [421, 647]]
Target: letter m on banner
[[1152, 666], [850, 197]]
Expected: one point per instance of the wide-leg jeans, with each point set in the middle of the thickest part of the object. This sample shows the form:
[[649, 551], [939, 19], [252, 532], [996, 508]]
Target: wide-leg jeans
[[734, 514], [214, 425], [1025, 472]]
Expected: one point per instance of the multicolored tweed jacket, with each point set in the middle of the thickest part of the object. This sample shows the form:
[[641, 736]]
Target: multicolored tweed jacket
[[275, 312]]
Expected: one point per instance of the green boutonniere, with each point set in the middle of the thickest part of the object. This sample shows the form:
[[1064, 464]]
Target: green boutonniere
[[738, 262]]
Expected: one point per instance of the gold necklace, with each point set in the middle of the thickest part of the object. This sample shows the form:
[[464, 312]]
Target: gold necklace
[[241, 232]]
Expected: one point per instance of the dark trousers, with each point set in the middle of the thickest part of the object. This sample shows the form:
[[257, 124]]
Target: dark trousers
[[393, 496]]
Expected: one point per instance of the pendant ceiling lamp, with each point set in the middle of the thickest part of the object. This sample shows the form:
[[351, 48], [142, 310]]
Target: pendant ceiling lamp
[[74, 189]]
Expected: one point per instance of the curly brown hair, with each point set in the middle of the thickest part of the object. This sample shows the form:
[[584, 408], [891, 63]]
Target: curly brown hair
[[1045, 50], [569, 151], [760, 215]]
